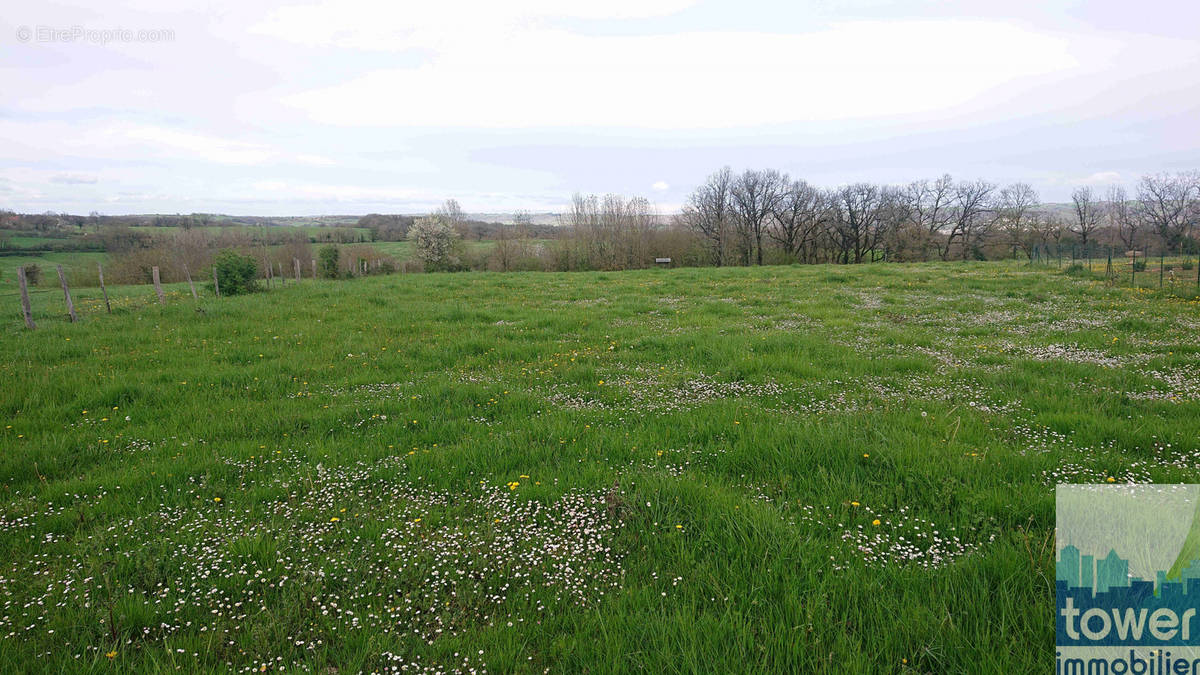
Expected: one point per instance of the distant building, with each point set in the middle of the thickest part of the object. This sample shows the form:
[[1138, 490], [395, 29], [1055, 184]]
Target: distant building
[[1067, 567], [1087, 572], [1111, 572]]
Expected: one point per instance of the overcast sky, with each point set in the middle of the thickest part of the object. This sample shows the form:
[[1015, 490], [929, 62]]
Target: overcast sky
[[352, 106]]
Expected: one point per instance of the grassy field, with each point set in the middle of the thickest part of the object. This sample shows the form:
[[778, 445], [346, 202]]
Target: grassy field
[[80, 266], [783, 469]]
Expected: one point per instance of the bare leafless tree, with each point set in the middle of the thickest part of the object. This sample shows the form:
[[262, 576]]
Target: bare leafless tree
[[1088, 213], [973, 215], [512, 242], [1015, 206], [857, 215], [895, 217], [796, 220], [1124, 220], [1168, 203], [931, 208], [607, 233], [1042, 228], [755, 196], [708, 213], [637, 219]]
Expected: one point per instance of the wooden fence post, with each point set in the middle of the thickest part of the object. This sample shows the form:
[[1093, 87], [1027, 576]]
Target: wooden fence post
[[62, 279], [314, 268], [268, 265], [25, 299], [216, 283], [157, 285], [100, 270], [188, 274], [282, 276], [296, 264]]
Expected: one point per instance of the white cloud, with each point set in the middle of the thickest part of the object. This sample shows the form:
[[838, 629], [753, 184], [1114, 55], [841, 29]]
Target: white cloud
[[197, 146], [370, 25], [849, 71], [333, 192], [303, 191], [73, 179], [315, 104], [36, 139], [1098, 178]]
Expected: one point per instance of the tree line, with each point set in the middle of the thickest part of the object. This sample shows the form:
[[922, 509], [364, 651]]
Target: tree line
[[750, 218], [763, 215]]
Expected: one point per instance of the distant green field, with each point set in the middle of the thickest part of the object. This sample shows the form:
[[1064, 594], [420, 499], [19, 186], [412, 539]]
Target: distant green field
[[22, 241], [308, 230], [781, 469], [71, 262], [80, 267]]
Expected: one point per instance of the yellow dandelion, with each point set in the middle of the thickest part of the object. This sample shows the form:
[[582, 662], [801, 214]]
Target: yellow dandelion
[[334, 519], [875, 522], [112, 654]]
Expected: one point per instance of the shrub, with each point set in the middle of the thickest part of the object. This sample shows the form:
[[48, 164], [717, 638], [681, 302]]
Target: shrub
[[436, 244], [33, 274], [357, 256], [1188, 265], [236, 273], [1076, 270], [1139, 265], [327, 261]]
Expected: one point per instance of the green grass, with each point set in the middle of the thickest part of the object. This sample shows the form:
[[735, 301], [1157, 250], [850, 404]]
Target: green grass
[[656, 471], [76, 264], [308, 230]]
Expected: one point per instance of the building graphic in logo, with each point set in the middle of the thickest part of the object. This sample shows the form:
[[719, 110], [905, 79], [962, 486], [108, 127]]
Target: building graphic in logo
[[1127, 577]]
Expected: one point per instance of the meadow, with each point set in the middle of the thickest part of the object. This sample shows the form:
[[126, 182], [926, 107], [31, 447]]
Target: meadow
[[835, 469], [80, 266]]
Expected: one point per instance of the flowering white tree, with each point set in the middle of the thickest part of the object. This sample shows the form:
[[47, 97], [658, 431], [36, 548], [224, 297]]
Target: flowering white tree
[[436, 243]]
